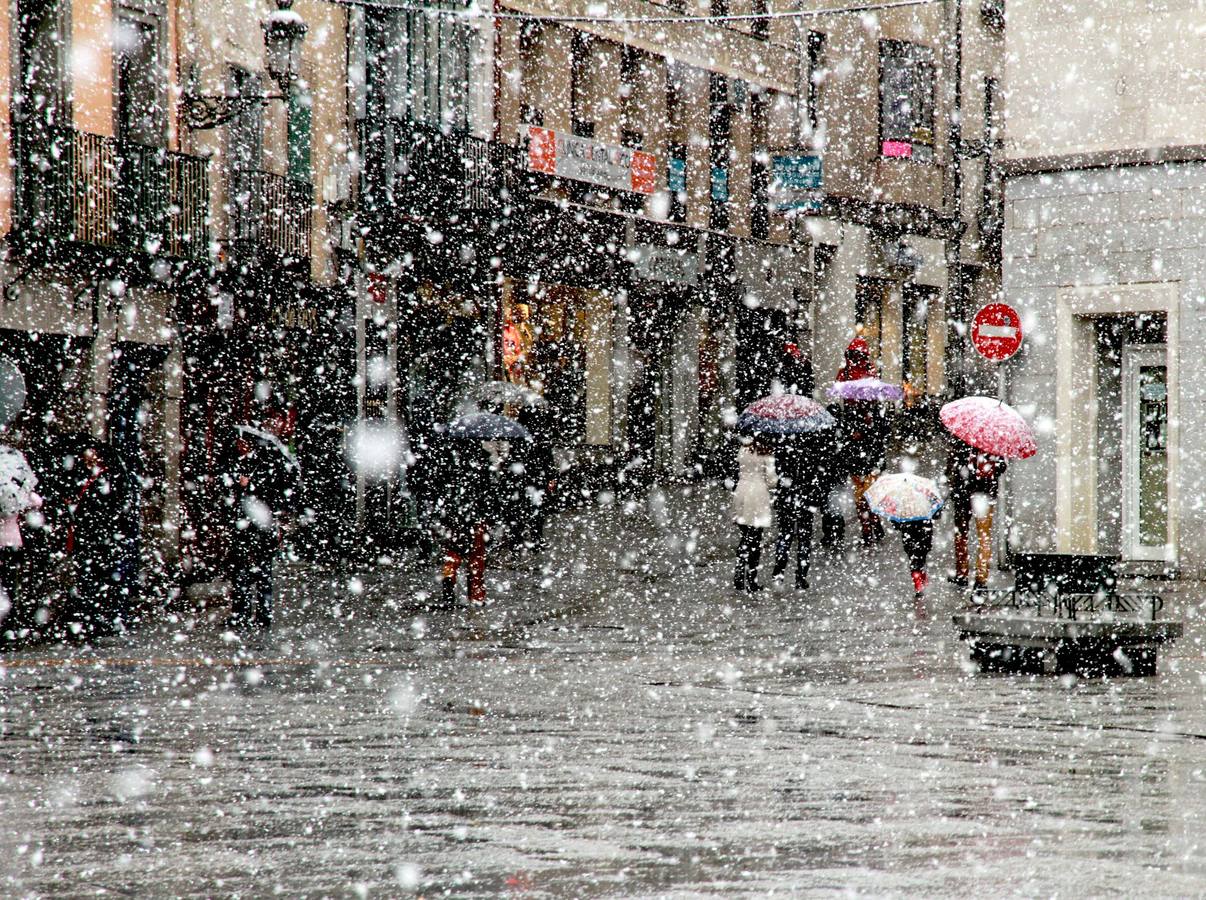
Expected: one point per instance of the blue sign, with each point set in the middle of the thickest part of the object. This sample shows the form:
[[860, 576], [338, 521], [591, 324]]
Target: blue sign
[[720, 184], [676, 174], [795, 183]]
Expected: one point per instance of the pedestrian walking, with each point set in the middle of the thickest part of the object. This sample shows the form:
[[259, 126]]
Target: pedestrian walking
[[911, 503], [89, 540], [974, 478], [262, 481], [803, 465], [865, 434], [467, 510], [752, 511], [539, 476]]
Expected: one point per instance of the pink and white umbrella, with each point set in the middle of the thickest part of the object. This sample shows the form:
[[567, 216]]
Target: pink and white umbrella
[[990, 425], [904, 497], [785, 414]]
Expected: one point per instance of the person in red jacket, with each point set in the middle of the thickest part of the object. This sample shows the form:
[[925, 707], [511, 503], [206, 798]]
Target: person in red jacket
[[857, 362]]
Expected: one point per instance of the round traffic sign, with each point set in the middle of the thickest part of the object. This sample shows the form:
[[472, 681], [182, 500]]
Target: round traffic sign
[[996, 331]]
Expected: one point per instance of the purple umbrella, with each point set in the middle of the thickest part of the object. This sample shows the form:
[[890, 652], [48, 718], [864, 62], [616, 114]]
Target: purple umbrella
[[865, 389]]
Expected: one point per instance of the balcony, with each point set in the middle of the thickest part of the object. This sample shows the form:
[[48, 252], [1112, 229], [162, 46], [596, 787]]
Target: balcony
[[436, 176], [271, 216], [86, 189]]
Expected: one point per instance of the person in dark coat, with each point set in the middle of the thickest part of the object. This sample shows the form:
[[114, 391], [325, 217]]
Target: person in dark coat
[[426, 474], [973, 479], [539, 478], [466, 512], [262, 481], [865, 434], [803, 463], [90, 544]]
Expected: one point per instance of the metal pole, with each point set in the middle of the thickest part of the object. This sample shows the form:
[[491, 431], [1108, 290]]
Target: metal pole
[[956, 302]]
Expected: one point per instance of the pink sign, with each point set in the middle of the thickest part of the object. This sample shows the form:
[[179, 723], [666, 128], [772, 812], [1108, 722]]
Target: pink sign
[[897, 149]]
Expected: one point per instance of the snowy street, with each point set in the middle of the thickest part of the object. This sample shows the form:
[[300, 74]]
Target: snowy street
[[618, 723]]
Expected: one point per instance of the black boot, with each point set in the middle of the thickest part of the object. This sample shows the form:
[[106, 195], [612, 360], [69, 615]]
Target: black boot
[[447, 593], [739, 575], [802, 579]]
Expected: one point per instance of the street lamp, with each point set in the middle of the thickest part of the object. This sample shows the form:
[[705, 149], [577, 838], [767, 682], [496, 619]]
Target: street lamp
[[284, 32]]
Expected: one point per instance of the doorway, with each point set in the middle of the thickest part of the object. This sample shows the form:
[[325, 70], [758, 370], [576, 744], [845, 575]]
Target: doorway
[[1145, 463]]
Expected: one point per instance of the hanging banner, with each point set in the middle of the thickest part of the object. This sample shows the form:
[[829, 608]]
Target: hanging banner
[[585, 159]]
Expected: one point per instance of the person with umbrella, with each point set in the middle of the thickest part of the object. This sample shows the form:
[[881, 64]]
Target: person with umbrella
[[864, 426], [470, 505], [911, 503], [984, 433], [262, 481], [790, 418]]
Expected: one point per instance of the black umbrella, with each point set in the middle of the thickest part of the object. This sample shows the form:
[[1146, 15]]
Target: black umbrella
[[275, 474], [484, 426]]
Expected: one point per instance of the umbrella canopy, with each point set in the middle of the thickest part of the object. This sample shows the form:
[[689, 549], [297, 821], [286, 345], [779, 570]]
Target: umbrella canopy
[[274, 470], [12, 391], [865, 389], [502, 393], [989, 425], [484, 426], [785, 414], [903, 497]]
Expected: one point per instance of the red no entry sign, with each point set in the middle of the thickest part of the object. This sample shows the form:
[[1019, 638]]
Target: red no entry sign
[[996, 331]]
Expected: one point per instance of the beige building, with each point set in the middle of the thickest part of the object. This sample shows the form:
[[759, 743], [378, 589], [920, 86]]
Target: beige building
[[167, 240], [881, 97], [1105, 240]]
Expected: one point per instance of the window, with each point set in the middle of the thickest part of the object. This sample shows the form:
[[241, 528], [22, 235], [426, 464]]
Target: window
[[720, 127], [435, 52], [906, 101], [816, 55], [298, 127], [760, 27], [582, 105], [139, 106]]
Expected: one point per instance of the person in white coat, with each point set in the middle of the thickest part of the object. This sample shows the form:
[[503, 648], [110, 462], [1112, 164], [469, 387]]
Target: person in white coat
[[752, 509]]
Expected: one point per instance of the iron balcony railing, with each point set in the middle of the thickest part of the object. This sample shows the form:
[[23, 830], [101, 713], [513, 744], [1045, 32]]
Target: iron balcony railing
[[77, 187], [423, 173], [271, 213]]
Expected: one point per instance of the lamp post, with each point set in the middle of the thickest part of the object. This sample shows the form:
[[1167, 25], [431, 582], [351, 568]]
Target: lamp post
[[284, 33]]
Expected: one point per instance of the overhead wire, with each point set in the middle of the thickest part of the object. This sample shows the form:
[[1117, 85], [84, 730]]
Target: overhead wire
[[576, 19]]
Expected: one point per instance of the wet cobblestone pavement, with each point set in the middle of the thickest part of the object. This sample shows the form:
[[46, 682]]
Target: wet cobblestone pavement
[[615, 724]]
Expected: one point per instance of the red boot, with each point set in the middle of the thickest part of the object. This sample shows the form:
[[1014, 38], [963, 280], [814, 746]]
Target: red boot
[[920, 580]]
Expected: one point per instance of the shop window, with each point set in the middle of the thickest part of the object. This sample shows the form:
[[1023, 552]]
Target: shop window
[[906, 101]]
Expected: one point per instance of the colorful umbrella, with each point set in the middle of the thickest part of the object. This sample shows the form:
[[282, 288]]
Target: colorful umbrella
[[865, 389], [989, 425], [903, 497], [484, 426], [785, 414]]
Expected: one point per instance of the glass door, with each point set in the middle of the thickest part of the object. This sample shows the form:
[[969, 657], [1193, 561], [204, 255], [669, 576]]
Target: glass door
[[1145, 513]]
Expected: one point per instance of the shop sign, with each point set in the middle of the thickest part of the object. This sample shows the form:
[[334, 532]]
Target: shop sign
[[720, 184], [676, 174], [795, 183], [303, 317], [585, 159], [666, 265]]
